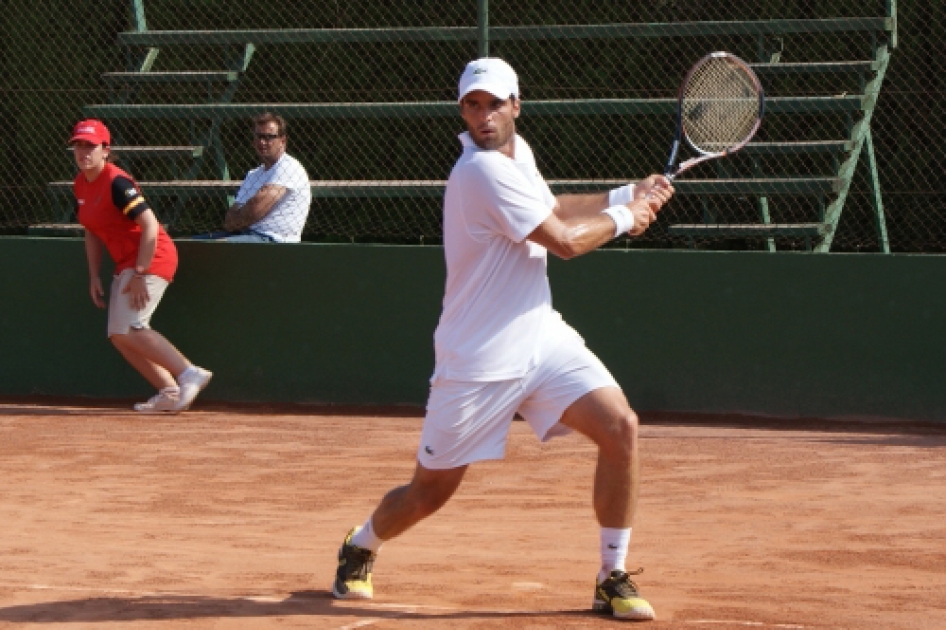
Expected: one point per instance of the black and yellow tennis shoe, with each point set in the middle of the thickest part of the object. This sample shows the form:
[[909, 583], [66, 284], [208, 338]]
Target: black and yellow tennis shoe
[[353, 577], [618, 595]]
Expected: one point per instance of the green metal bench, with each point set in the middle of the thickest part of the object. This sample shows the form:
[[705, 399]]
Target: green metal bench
[[388, 189], [831, 189], [329, 189], [156, 39], [419, 109]]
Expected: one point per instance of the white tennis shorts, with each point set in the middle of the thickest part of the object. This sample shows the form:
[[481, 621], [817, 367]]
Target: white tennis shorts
[[468, 421], [122, 316]]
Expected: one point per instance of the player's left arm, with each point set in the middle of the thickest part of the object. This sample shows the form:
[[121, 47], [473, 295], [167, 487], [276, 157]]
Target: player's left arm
[[576, 206], [584, 233], [128, 199], [570, 206], [241, 216]]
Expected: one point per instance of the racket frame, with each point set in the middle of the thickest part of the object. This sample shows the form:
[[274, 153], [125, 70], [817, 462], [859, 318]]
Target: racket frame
[[670, 171]]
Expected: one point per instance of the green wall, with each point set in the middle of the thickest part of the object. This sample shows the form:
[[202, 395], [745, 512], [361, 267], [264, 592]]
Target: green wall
[[780, 334]]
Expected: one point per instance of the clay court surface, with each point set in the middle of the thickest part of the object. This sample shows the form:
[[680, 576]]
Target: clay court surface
[[228, 517]]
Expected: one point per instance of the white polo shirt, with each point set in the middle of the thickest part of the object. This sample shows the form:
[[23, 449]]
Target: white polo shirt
[[497, 304], [286, 219]]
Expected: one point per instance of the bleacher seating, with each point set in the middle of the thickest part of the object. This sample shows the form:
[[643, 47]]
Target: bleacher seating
[[828, 190]]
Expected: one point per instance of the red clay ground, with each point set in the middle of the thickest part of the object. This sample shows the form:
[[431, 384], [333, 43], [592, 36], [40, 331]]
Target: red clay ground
[[228, 518]]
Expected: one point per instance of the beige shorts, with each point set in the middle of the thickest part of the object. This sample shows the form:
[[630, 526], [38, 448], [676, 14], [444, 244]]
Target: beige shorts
[[121, 315], [468, 421]]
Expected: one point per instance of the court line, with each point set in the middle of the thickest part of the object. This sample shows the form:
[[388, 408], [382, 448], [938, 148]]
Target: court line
[[261, 598], [404, 609], [408, 607], [360, 624], [757, 624], [120, 591]]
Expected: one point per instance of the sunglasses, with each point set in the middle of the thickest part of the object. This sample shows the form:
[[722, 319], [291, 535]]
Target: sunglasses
[[268, 137]]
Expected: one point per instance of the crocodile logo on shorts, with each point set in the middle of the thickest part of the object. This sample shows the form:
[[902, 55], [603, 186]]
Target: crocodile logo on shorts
[[429, 450]]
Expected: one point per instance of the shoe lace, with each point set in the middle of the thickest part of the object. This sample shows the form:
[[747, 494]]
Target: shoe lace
[[358, 561], [622, 583]]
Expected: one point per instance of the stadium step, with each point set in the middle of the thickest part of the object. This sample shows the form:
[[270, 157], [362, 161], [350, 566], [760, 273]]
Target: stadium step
[[181, 151], [820, 67], [146, 38], [761, 231], [615, 107], [170, 77], [819, 146], [434, 188]]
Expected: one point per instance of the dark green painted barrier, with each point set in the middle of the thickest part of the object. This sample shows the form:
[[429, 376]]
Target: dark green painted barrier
[[780, 334]]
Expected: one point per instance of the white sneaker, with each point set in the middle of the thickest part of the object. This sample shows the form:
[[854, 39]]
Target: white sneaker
[[165, 401], [192, 382]]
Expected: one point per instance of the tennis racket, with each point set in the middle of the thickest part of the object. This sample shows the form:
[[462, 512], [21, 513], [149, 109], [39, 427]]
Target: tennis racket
[[719, 110]]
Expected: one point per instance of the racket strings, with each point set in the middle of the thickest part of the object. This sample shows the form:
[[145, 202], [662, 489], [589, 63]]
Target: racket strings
[[719, 106]]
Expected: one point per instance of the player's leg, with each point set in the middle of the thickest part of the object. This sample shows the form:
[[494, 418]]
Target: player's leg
[[149, 347], [405, 506], [572, 389], [178, 381], [153, 347], [465, 423], [399, 510], [150, 353], [157, 376], [605, 417]]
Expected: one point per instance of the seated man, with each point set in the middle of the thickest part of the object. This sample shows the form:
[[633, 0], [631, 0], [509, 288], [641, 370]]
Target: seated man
[[273, 201]]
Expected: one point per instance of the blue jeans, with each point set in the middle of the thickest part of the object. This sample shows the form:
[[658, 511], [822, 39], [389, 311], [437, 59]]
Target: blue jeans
[[222, 235]]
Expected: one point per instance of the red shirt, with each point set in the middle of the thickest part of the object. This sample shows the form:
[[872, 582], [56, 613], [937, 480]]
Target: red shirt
[[107, 208]]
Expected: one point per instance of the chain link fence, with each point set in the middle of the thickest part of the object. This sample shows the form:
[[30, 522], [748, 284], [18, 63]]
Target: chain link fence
[[850, 156]]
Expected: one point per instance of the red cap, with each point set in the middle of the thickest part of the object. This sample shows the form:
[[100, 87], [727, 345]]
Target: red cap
[[91, 130]]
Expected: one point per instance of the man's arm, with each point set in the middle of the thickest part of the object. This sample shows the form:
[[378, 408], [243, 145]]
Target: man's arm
[[93, 253], [581, 234], [241, 216], [572, 206], [585, 206]]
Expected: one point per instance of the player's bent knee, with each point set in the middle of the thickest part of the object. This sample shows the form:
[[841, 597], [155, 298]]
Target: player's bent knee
[[622, 435]]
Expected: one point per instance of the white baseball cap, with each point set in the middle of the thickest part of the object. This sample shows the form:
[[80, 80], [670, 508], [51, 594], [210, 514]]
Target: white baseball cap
[[490, 74]]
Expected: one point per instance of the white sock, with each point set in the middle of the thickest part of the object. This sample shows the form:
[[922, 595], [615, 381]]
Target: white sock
[[170, 390], [366, 538], [189, 370], [614, 543]]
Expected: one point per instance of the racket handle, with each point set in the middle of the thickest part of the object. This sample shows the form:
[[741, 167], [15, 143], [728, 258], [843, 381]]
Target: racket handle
[[670, 168]]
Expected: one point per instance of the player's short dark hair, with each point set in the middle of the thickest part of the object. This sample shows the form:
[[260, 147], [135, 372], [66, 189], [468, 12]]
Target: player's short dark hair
[[269, 117]]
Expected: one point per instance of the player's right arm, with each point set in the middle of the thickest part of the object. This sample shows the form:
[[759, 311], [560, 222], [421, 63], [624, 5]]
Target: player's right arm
[[93, 253]]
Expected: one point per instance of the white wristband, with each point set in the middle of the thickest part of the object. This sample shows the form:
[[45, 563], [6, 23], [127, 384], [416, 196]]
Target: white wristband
[[622, 195], [623, 219]]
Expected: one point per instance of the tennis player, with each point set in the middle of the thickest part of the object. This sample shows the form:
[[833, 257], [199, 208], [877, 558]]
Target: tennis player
[[500, 346], [116, 217]]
